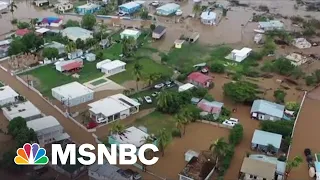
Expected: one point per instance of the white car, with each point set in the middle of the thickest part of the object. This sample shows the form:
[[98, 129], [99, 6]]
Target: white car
[[148, 99], [155, 3], [159, 86], [179, 12], [231, 122], [155, 94], [234, 120]]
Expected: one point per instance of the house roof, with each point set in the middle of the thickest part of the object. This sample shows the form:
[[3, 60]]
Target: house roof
[[74, 33], [50, 20], [130, 32], [273, 23], [199, 77], [72, 65], [211, 107], [107, 171], [159, 29], [72, 90], [42, 30], [55, 44], [25, 110], [185, 87], [43, 123], [265, 138], [168, 7], [7, 92], [281, 166], [267, 107], [89, 6], [22, 32], [208, 15], [130, 5], [133, 136], [112, 65], [179, 41], [258, 168], [242, 52]]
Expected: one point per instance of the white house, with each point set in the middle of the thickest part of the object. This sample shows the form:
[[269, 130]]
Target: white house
[[119, 107], [186, 87], [48, 130], [90, 57], [57, 45], [130, 33], [72, 94], [7, 95], [239, 55], [208, 18], [99, 64], [113, 67], [62, 7], [25, 110], [74, 33]]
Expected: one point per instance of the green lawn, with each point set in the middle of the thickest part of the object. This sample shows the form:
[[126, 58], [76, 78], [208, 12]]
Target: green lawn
[[155, 121], [149, 66]]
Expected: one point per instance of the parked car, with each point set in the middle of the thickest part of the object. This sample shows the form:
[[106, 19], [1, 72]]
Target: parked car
[[169, 83], [148, 99], [135, 175], [120, 13], [179, 12], [159, 86], [155, 94], [234, 120], [155, 3], [229, 123]]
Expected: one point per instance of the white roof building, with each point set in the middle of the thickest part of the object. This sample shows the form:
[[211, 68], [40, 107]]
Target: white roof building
[[99, 64], [133, 136], [74, 33], [72, 94], [185, 87], [130, 33], [239, 55], [7, 95], [113, 67], [119, 107], [42, 30], [301, 43], [25, 110], [208, 17]]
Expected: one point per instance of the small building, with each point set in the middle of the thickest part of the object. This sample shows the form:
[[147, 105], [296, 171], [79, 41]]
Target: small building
[[4, 7], [70, 65], [193, 37], [41, 3], [63, 7], [167, 9], [296, 59], [25, 110], [105, 43], [42, 31], [99, 64], [301, 43], [132, 135], [199, 79], [88, 8], [113, 67], [271, 25], [57, 45], [105, 171], [90, 57], [76, 54], [256, 169], [158, 32], [72, 94], [130, 33], [262, 139], [213, 107], [185, 87], [7, 95], [208, 18], [239, 55], [119, 107], [74, 33], [178, 43], [130, 7], [280, 165], [22, 32], [266, 110], [48, 130], [50, 22], [258, 38]]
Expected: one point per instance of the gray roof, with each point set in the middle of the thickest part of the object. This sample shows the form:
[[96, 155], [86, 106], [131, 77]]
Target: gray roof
[[273, 23], [159, 29], [265, 138], [55, 44], [212, 103], [281, 166], [267, 107], [107, 170]]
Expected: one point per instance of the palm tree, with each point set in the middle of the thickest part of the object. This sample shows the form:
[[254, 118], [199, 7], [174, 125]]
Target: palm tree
[[148, 153], [117, 128], [12, 7], [102, 29], [219, 148], [294, 163], [137, 72], [152, 78], [163, 140], [164, 100], [70, 47], [196, 8], [182, 120]]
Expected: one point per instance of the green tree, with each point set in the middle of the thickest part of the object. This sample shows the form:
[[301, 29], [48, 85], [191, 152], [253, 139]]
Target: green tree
[[15, 125], [279, 95], [163, 140], [152, 27], [196, 9], [269, 46], [219, 148], [12, 7], [294, 163], [127, 46], [152, 78], [8, 163], [23, 25], [137, 72], [50, 53], [88, 21], [16, 47], [102, 29], [183, 118], [80, 44], [310, 80], [279, 127], [72, 23], [25, 135], [117, 128], [32, 41], [144, 14], [236, 134], [70, 47], [33, 23], [217, 67], [283, 66], [168, 102], [240, 91]]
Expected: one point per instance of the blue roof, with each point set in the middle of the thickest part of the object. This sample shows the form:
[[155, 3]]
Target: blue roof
[[169, 7], [130, 5], [267, 107], [317, 166], [265, 138]]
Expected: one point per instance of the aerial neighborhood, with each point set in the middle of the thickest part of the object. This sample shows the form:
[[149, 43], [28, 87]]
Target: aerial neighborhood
[[224, 89]]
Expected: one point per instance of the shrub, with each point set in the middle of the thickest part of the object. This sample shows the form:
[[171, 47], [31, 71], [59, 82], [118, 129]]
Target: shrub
[[280, 127], [236, 134], [218, 68], [225, 112], [279, 95], [199, 92], [182, 77], [14, 21], [176, 132], [208, 97], [23, 25], [227, 159]]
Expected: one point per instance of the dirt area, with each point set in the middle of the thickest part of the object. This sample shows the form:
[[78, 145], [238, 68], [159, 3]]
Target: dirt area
[[133, 85], [198, 137]]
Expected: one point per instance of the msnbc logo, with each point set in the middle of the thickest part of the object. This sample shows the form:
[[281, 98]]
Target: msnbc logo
[[31, 155]]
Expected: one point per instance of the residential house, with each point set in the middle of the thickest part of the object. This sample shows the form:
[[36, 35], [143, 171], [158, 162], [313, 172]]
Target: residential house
[[271, 25], [105, 172], [70, 65], [239, 55], [208, 18], [4, 7], [99, 64], [199, 167], [131, 135], [280, 165], [74, 33], [193, 37], [63, 7], [22, 32], [296, 59], [199, 79], [211, 107], [7, 95], [113, 67], [90, 57], [158, 32], [50, 22], [105, 43], [195, 100], [266, 110], [41, 31], [253, 169], [119, 107], [88, 8], [262, 139], [25, 110], [72, 94], [41, 3], [301, 43], [48, 130], [76, 54], [57, 45], [167, 9], [130, 33], [130, 7], [178, 43], [185, 87]]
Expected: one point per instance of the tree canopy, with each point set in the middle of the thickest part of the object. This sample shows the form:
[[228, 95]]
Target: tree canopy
[[16, 47], [72, 23], [236, 134], [88, 21], [280, 127], [32, 41], [241, 91], [217, 68], [279, 95], [50, 53]]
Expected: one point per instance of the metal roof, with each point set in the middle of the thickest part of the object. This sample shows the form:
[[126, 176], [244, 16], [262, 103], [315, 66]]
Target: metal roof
[[265, 138], [159, 29], [267, 107], [258, 168]]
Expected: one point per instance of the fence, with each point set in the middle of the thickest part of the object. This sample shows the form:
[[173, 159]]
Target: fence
[[30, 69], [215, 124]]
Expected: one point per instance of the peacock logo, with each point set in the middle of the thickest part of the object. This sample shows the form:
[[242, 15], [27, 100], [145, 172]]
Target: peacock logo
[[31, 155]]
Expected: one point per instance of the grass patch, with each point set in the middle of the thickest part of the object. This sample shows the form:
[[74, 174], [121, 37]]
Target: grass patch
[[318, 156], [155, 121], [149, 66]]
